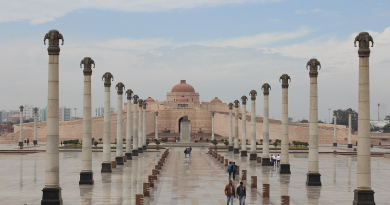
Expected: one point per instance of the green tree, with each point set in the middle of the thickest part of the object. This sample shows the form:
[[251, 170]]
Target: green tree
[[226, 143], [342, 118], [386, 128], [261, 141], [387, 117], [215, 143], [304, 121], [100, 140]]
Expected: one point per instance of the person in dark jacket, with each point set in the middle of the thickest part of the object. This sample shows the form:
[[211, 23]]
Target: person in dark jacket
[[230, 169], [230, 192], [241, 193], [234, 167]]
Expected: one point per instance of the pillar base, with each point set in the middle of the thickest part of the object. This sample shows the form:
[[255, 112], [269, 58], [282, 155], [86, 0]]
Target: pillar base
[[313, 179], [266, 162], [86, 178], [119, 160], [106, 167], [334, 144], [236, 151], [230, 148], [51, 196], [244, 153], [20, 144], [135, 152], [285, 169], [363, 197], [128, 156], [253, 157], [144, 147], [349, 145], [140, 150]]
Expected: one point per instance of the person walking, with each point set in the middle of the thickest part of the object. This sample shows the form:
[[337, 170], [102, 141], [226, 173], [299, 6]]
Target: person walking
[[28, 141], [234, 170], [61, 143], [25, 140], [230, 192], [273, 159], [278, 160], [230, 169], [190, 151], [241, 193]]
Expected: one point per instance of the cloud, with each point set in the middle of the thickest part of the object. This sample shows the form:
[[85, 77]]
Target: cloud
[[318, 11], [41, 11]]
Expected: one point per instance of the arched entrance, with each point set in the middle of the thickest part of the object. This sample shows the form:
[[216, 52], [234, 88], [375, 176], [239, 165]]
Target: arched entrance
[[181, 119]]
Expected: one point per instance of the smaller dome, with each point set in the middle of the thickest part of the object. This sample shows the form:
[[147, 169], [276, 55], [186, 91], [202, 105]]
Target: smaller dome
[[216, 100], [182, 99], [149, 99]]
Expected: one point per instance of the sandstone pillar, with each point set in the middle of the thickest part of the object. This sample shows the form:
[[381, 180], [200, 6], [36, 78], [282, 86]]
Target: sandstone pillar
[[106, 165], [230, 127], [156, 132], [243, 130], [349, 128], [86, 174], [265, 161], [140, 123], [313, 175], [212, 126], [52, 190], [135, 126], [129, 129], [119, 125], [284, 161], [334, 128], [144, 126], [236, 146], [284, 188], [363, 193], [253, 154], [35, 126], [21, 143]]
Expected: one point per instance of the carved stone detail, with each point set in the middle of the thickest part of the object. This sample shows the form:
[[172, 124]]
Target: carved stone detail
[[236, 103], [140, 101], [120, 87], [135, 99], [285, 80], [335, 112], [144, 104], [253, 94], [156, 113], [107, 77], [244, 99], [54, 37], [230, 106], [364, 39], [313, 64], [129, 93], [349, 110], [35, 110], [87, 62], [21, 108], [212, 113], [266, 88]]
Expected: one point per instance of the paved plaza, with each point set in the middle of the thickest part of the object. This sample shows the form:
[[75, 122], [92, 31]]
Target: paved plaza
[[197, 180]]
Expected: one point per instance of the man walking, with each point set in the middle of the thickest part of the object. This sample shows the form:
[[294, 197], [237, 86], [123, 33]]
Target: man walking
[[273, 159], [241, 194], [278, 160], [230, 192], [234, 170], [230, 169]]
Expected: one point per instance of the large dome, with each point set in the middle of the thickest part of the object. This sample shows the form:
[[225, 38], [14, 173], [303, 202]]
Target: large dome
[[149, 99], [183, 87], [216, 100]]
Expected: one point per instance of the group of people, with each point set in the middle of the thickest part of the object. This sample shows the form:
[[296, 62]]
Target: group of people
[[26, 141], [232, 193], [232, 168], [275, 160], [187, 152]]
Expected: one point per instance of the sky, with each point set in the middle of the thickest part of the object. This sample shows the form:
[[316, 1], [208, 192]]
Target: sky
[[223, 48]]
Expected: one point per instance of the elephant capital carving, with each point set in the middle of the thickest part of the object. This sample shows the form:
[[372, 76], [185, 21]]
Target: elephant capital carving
[[35, 110], [230, 106], [285, 80], [120, 87], [236, 103], [266, 88], [313, 64], [253, 94], [107, 77], [349, 111], [21, 108], [54, 37], [364, 39], [244, 99], [87, 62], [135, 99], [335, 112]]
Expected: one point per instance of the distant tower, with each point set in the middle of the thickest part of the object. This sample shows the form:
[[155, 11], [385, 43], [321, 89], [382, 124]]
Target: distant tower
[[75, 116]]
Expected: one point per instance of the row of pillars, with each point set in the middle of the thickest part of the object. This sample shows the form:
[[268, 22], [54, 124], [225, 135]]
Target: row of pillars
[[35, 142], [363, 194]]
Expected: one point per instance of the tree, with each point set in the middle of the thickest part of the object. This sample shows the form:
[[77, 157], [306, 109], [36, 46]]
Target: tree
[[387, 117], [342, 118], [304, 121], [386, 128], [275, 144], [320, 121], [261, 141], [290, 119], [215, 143], [157, 143], [222, 140], [226, 143], [100, 140]]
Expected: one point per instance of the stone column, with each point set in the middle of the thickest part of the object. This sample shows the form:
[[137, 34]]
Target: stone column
[[236, 146], [144, 125], [313, 175], [212, 126], [253, 154], [140, 122], [129, 93], [86, 174], [349, 128], [284, 188], [35, 126], [243, 130], [265, 161], [334, 128], [156, 132], [135, 126], [106, 165], [52, 190], [21, 142], [363, 193], [230, 127], [119, 125], [284, 161]]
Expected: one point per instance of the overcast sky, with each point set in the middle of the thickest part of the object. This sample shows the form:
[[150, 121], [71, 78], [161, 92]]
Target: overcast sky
[[224, 48]]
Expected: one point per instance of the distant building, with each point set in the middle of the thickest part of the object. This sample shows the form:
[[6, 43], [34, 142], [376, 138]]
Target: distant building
[[42, 116], [100, 111], [3, 116], [28, 111], [64, 113], [380, 123]]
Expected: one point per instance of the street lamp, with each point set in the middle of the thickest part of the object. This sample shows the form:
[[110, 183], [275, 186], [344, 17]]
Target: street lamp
[[75, 115], [378, 111], [329, 115]]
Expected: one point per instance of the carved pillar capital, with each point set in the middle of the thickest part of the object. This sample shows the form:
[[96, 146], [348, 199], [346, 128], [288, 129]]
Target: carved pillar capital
[[129, 93], [236, 103], [21, 108], [107, 77], [120, 87], [244, 99], [266, 88], [87, 62], [313, 64], [285, 80], [135, 99], [364, 39], [230, 106], [54, 37]]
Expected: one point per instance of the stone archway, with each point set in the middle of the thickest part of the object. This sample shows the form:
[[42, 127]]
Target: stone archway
[[181, 119]]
